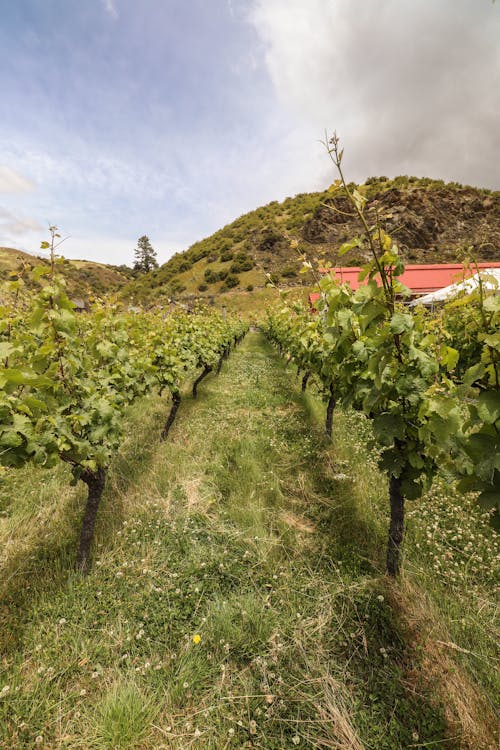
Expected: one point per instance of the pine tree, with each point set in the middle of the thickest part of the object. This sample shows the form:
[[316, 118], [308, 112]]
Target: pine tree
[[145, 256]]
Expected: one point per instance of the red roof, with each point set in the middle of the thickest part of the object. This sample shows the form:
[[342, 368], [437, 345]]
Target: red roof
[[421, 279]]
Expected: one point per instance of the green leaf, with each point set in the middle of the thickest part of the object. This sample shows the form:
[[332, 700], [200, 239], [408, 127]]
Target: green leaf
[[488, 407], [6, 349], [489, 498], [449, 357], [479, 446], [388, 427], [346, 246], [470, 484], [40, 271], [401, 322], [21, 377], [474, 373]]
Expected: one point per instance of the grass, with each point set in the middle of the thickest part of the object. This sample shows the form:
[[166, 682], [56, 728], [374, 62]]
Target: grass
[[237, 597]]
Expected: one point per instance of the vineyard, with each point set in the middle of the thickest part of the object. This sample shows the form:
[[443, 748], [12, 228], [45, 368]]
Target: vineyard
[[66, 381], [196, 552], [429, 383]]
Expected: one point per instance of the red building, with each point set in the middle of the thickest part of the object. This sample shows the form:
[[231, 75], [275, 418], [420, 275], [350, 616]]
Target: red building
[[421, 279]]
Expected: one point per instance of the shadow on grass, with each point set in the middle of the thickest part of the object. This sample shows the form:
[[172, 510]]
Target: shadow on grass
[[47, 564], [380, 657]]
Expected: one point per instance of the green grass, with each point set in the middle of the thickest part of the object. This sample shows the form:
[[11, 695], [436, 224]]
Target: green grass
[[249, 530]]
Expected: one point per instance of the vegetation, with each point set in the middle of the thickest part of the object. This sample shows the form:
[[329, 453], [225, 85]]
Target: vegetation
[[84, 279], [145, 256], [371, 353], [431, 221], [66, 381], [237, 596]]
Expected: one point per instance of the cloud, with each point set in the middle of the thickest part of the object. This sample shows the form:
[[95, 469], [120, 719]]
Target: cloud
[[411, 87], [13, 182], [13, 226], [110, 7]]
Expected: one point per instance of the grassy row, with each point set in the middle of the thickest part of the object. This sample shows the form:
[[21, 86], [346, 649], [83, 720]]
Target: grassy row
[[237, 598]]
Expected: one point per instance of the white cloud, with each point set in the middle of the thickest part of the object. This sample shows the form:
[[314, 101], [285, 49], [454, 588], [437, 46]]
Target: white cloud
[[411, 87], [13, 182], [12, 225], [110, 7]]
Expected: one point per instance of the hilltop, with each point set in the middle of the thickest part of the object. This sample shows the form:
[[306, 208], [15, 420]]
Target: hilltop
[[84, 278], [432, 222]]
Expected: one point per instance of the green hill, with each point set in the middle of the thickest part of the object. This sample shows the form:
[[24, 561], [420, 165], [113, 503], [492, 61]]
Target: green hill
[[84, 277], [432, 222]]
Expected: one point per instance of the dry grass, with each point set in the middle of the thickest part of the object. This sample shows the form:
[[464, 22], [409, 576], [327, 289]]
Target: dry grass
[[298, 522], [333, 728], [470, 716]]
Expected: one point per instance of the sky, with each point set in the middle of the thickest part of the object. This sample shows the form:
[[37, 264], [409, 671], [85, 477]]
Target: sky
[[171, 118]]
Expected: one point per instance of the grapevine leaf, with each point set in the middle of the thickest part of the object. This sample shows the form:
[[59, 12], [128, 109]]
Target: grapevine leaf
[[388, 427], [488, 407], [474, 373], [401, 322]]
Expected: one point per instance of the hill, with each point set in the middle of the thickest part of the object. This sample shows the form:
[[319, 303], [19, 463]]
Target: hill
[[84, 277], [433, 222]]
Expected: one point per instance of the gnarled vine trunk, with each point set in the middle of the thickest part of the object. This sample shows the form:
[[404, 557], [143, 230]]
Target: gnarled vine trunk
[[95, 481], [198, 380], [305, 380], [396, 526], [329, 412], [176, 400]]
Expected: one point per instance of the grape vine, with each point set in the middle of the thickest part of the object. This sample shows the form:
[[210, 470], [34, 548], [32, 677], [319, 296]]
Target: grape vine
[[429, 384], [66, 379]]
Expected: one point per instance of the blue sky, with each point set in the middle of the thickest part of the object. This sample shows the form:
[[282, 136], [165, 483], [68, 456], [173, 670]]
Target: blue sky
[[172, 117]]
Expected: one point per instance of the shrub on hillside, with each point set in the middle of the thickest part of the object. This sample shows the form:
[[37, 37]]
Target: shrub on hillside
[[230, 282], [210, 276], [241, 263]]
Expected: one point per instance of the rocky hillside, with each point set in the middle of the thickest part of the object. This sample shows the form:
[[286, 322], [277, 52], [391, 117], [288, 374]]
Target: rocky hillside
[[432, 222], [84, 277]]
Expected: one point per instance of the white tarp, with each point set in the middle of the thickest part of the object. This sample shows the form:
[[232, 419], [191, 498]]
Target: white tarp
[[490, 278]]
